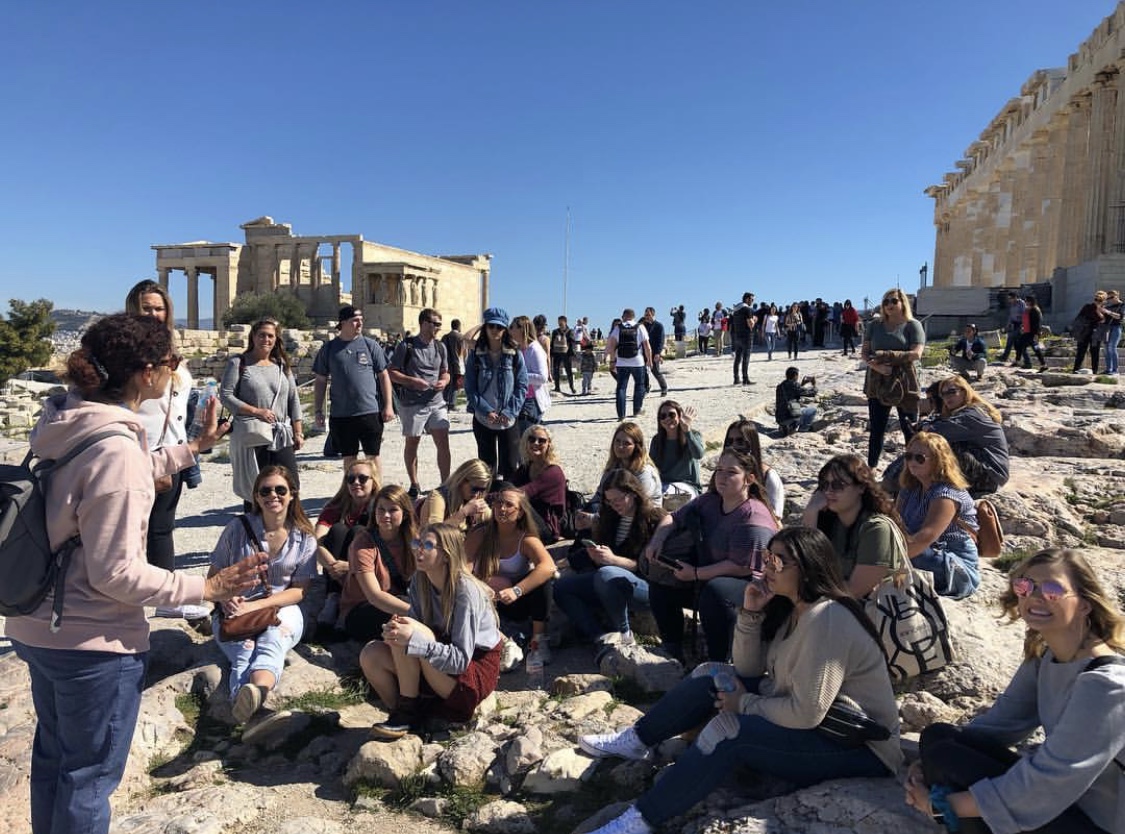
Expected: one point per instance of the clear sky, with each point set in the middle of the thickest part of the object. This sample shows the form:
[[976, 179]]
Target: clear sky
[[703, 148]]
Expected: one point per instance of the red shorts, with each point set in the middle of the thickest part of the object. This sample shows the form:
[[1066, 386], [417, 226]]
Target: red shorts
[[473, 685]]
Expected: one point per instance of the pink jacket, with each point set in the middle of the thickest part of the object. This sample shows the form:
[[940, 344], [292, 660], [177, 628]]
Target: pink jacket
[[105, 495]]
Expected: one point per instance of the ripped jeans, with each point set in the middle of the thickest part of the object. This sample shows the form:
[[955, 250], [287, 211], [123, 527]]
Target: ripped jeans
[[266, 652], [804, 757]]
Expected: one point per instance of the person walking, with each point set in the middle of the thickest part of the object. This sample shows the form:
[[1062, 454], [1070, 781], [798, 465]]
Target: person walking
[[742, 322], [629, 354], [770, 322], [420, 372], [703, 332], [1015, 325], [1029, 337], [656, 345], [562, 355], [849, 326], [352, 369], [455, 354]]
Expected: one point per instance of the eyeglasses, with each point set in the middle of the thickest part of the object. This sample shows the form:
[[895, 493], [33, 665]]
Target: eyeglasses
[[950, 392], [667, 415], [835, 485], [537, 441], [478, 490], [892, 301], [436, 324], [916, 457], [357, 479], [427, 545], [1049, 589], [775, 563], [172, 362], [267, 491]]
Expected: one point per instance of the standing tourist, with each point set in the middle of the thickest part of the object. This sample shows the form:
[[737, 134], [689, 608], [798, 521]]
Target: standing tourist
[[849, 326], [1015, 325], [656, 345], [260, 391], [742, 322], [589, 366], [87, 676], [770, 324], [1113, 309], [703, 332], [420, 371], [1029, 337], [892, 346], [455, 356], [1088, 330], [562, 354], [361, 389], [496, 386], [794, 327], [538, 397], [629, 354], [679, 324]]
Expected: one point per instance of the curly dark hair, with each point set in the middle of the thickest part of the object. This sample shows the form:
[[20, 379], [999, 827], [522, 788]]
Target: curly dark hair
[[853, 469], [113, 349]]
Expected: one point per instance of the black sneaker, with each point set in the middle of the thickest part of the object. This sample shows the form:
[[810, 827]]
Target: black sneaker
[[413, 492]]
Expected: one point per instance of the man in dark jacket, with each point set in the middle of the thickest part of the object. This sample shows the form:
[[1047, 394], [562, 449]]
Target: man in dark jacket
[[741, 328], [656, 342], [792, 415]]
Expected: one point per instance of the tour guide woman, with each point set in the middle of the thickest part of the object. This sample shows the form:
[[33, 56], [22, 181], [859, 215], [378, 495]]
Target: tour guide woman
[[87, 677], [799, 624], [891, 348], [1072, 684]]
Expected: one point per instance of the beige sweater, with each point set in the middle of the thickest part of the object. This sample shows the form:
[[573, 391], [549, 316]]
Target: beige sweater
[[827, 655]]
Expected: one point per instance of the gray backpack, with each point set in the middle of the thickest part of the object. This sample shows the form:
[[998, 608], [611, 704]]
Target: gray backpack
[[29, 568]]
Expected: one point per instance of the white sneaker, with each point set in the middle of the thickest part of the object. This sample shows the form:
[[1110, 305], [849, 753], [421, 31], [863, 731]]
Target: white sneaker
[[617, 638], [511, 655], [630, 822], [623, 744], [196, 612]]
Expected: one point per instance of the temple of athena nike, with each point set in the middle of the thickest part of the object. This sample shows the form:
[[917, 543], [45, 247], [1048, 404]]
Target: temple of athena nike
[[1037, 203]]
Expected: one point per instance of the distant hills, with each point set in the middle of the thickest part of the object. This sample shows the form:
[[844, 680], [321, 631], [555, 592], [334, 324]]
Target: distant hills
[[78, 319]]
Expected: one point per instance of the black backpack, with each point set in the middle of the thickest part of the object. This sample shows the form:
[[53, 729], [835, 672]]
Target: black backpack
[[627, 342], [29, 568]]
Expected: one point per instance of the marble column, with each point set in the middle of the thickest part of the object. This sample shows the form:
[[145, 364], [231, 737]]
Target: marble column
[[163, 273], [1057, 131], [317, 267], [1115, 214], [336, 268], [1101, 150], [276, 279], [192, 298], [1074, 182]]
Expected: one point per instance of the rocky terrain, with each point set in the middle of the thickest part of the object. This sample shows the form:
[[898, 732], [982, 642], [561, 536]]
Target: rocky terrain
[[311, 768]]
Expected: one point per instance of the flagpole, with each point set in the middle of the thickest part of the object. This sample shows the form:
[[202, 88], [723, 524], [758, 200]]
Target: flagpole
[[566, 259]]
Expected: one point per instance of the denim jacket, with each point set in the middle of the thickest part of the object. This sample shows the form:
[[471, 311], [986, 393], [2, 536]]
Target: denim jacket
[[511, 384]]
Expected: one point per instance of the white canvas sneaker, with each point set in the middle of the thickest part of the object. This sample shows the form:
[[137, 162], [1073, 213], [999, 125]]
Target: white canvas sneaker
[[623, 743], [630, 822]]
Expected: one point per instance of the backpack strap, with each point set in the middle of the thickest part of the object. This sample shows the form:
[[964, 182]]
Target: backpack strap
[[1099, 663], [254, 540]]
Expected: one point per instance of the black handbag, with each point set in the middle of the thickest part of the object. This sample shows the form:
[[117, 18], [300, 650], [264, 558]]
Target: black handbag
[[850, 726], [684, 545]]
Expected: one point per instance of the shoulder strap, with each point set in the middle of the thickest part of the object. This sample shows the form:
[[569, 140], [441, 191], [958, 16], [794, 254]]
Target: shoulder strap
[[257, 543], [1100, 663]]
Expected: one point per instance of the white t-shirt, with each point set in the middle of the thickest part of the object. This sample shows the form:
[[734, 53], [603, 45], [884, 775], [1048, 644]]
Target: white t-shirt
[[771, 323], [637, 361]]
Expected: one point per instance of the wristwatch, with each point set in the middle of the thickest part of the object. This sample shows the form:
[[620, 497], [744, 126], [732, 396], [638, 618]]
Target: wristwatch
[[517, 590]]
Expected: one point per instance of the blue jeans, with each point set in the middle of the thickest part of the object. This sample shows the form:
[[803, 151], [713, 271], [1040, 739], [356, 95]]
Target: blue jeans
[[956, 573], [86, 704], [609, 589], [1111, 348], [801, 756], [771, 340], [266, 652], [623, 377]]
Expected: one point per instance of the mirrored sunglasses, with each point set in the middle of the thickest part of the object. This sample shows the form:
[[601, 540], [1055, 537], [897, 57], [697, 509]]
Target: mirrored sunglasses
[[1049, 589]]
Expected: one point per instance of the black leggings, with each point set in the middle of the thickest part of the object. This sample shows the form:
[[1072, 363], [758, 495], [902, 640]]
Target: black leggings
[[161, 546], [793, 337], [959, 757], [499, 449], [877, 417], [533, 605], [365, 622], [1094, 346], [1023, 343]]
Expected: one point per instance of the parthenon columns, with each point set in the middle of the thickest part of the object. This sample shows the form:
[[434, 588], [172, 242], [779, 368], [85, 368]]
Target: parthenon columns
[[1101, 149], [192, 297]]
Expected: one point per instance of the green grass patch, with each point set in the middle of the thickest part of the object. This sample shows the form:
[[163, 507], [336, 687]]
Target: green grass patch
[[462, 801], [321, 700], [1009, 559]]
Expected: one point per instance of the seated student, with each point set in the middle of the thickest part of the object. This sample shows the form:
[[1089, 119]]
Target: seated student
[[461, 499], [736, 524], [858, 517], [625, 525], [626, 451], [349, 508], [542, 480], [380, 565], [1072, 685], [676, 449], [791, 415], [447, 646], [937, 513], [801, 642], [743, 435], [969, 353], [508, 556]]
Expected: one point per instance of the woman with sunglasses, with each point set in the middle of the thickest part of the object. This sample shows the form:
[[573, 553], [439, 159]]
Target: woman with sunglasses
[[460, 501], [542, 480], [496, 387], [348, 509], [892, 346], [736, 523], [87, 675], [676, 449], [743, 435], [441, 658], [800, 625], [285, 534], [379, 566], [509, 557], [858, 517], [1071, 685], [975, 433], [938, 514], [259, 390]]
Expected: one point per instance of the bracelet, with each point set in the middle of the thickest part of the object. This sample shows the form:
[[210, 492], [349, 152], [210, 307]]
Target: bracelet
[[943, 808]]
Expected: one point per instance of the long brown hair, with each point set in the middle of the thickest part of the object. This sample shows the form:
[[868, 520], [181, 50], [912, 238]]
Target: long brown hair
[[277, 353], [754, 488], [487, 559], [452, 546], [295, 515], [150, 287], [639, 456], [662, 436], [853, 468], [646, 516], [407, 530]]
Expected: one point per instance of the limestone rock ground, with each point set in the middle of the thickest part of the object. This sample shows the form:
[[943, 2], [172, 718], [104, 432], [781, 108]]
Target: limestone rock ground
[[299, 771]]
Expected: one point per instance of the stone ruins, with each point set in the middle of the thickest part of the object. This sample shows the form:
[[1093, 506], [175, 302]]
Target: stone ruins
[[1039, 198], [390, 285]]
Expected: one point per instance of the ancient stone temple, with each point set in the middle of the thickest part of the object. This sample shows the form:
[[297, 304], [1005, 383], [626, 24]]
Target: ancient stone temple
[[1039, 198], [390, 285]]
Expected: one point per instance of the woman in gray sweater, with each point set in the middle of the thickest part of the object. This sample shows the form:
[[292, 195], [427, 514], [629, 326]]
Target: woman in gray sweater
[[1072, 684], [260, 391]]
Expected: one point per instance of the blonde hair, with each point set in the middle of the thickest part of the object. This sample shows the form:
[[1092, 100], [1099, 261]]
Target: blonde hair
[[552, 456], [523, 326], [150, 287], [972, 398], [343, 496], [1100, 295], [946, 469], [474, 469], [907, 313], [451, 544], [1105, 620], [639, 457]]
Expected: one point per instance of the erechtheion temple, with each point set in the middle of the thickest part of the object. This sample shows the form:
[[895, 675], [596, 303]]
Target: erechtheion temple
[[390, 285], [1039, 198]]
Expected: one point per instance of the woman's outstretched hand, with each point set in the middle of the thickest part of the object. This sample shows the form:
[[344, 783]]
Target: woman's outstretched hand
[[241, 576]]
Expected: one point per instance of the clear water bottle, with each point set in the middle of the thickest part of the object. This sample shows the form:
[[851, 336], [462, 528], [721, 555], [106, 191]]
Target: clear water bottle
[[724, 681], [209, 391], [534, 666]]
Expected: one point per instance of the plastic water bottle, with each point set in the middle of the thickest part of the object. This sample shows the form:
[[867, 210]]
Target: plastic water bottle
[[724, 681], [534, 666], [209, 391]]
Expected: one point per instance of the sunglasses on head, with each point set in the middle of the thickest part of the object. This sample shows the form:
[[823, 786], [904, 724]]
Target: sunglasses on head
[[357, 479], [915, 457], [267, 491], [427, 545], [1049, 589], [835, 485]]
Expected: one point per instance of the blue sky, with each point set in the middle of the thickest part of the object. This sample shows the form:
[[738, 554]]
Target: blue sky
[[703, 148]]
